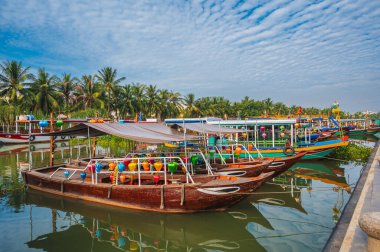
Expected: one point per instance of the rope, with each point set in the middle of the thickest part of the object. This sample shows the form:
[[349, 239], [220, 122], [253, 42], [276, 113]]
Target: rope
[[162, 197]]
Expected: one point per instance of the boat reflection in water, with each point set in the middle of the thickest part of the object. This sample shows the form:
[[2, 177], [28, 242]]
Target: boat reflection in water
[[283, 215], [103, 229], [289, 203]]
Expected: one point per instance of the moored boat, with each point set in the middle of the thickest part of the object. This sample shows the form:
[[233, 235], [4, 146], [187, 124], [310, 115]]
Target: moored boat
[[162, 195]]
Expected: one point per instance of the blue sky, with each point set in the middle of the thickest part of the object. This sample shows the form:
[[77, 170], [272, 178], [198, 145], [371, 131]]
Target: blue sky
[[298, 52]]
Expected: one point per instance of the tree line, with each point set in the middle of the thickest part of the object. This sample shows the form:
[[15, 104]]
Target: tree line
[[106, 94]]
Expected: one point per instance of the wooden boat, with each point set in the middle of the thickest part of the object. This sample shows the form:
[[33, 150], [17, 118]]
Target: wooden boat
[[243, 168], [26, 134], [142, 192], [311, 148], [281, 165]]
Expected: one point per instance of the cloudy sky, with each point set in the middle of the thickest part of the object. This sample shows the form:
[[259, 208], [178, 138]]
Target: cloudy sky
[[298, 52]]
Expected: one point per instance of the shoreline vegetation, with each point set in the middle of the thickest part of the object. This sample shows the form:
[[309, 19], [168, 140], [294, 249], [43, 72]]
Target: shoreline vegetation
[[107, 95]]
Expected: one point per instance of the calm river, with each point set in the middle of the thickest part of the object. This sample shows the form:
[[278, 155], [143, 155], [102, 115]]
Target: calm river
[[295, 212]]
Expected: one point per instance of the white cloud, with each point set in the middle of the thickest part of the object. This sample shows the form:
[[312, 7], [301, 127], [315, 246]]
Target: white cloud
[[298, 52]]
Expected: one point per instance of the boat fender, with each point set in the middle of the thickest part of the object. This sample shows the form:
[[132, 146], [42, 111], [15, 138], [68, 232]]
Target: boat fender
[[63, 137], [32, 138], [288, 150], [32, 148]]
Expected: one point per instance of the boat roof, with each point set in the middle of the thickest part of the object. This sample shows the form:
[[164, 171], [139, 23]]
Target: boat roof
[[209, 129], [147, 133], [254, 122]]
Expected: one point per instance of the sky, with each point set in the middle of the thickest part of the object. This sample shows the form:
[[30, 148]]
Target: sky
[[299, 52]]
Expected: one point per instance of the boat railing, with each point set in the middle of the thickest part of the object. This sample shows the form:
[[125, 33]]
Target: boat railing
[[67, 169], [139, 172], [178, 153], [222, 160]]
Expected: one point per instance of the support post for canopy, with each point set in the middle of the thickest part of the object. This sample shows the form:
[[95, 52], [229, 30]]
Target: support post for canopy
[[29, 150], [89, 146], [291, 134], [16, 126], [272, 135], [184, 142], [306, 136], [138, 171], [51, 140], [255, 134]]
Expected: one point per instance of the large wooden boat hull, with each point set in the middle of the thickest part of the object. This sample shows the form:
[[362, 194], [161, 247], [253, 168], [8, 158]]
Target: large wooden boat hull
[[214, 195]]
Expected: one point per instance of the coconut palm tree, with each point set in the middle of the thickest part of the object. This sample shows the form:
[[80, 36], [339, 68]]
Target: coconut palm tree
[[67, 87], [13, 82], [191, 110], [127, 98], [152, 101], [138, 93], [170, 104], [45, 92], [89, 92], [108, 77]]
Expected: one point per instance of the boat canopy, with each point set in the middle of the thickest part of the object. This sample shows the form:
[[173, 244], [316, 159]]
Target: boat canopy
[[209, 129], [147, 133]]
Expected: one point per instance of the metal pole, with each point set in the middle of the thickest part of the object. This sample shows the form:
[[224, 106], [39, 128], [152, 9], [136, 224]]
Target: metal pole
[[272, 135], [51, 139], [291, 134]]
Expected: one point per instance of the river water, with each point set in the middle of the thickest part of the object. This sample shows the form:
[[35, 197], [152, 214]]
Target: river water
[[295, 212]]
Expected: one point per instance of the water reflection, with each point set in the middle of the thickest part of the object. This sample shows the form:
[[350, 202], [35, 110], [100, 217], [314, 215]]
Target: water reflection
[[144, 231], [294, 212]]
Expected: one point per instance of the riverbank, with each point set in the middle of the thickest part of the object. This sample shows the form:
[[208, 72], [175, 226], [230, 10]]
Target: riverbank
[[347, 235]]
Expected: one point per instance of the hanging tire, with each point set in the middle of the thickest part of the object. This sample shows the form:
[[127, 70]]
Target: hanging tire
[[32, 138], [32, 148], [63, 137], [63, 145], [288, 151], [54, 137]]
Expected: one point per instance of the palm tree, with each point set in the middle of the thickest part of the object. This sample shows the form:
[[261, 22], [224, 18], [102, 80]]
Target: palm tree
[[170, 104], [138, 93], [13, 81], [89, 92], [66, 87], [44, 89], [108, 77], [127, 98], [268, 105], [191, 110], [152, 102]]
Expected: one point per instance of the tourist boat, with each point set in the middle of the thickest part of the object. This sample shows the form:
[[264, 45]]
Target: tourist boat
[[28, 130], [142, 192], [313, 151], [277, 165], [281, 165], [149, 190]]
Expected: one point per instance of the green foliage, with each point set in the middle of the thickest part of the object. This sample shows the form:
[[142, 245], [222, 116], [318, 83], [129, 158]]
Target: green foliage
[[105, 93], [353, 152]]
